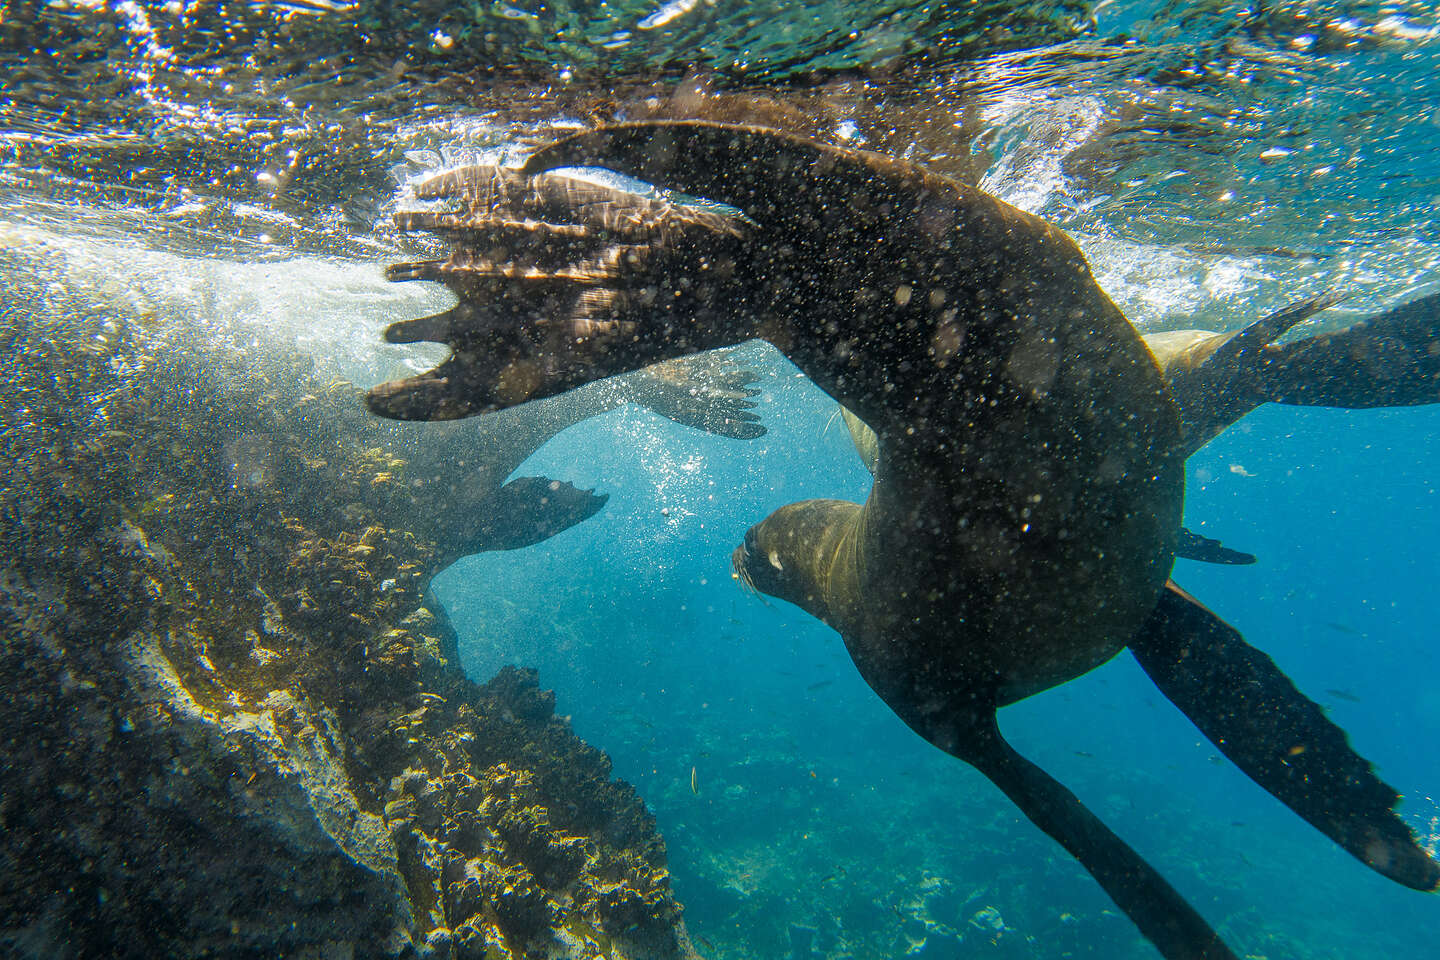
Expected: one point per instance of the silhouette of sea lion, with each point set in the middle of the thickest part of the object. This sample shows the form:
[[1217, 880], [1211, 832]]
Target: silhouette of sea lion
[[1024, 515], [708, 392]]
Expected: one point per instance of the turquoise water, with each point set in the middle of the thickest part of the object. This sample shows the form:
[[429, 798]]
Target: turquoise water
[[1216, 160]]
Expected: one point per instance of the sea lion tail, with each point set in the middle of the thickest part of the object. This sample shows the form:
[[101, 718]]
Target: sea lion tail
[[1283, 741], [1163, 916]]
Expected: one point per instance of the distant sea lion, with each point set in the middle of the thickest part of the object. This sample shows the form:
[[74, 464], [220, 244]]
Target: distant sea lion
[[1023, 519], [1391, 359], [708, 392]]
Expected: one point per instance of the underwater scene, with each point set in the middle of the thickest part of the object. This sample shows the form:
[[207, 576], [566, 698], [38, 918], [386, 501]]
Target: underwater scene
[[707, 479]]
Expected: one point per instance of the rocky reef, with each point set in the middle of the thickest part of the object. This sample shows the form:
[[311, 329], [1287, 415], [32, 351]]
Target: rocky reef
[[234, 722]]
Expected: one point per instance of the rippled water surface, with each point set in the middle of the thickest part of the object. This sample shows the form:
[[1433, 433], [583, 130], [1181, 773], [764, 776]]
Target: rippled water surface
[[235, 165]]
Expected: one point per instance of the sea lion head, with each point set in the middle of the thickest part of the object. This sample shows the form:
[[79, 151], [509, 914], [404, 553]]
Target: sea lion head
[[759, 570], [803, 553]]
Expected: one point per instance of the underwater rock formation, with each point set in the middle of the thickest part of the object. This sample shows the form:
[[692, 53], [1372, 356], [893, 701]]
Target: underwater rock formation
[[234, 723]]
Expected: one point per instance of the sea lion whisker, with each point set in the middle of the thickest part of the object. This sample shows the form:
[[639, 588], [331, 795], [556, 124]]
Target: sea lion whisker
[[741, 573]]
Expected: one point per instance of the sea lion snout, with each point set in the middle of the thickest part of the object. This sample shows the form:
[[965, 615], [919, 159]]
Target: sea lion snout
[[742, 562]]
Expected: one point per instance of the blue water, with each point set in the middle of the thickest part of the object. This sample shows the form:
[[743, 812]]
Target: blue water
[[818, 809], [1222, 159]]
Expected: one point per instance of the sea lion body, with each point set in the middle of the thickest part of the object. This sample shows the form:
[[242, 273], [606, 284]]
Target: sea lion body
[[1028, 465], [1027, 433]]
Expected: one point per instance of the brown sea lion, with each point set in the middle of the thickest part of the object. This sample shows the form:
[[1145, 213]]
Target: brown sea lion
[[1391, 359], [1027, 493], [1188, 544], [708, 392]]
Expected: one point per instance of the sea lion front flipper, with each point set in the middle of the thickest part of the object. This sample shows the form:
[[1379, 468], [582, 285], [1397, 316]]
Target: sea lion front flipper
[[1147, 898], [554, 276], [1283, 741], [1192, 546], [789, 185], [707, 391], [527, 510], [738, 165]]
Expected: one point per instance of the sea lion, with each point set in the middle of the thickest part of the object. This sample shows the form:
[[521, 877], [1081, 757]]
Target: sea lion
[[1390, 359], [708, 392], [1023, 519]]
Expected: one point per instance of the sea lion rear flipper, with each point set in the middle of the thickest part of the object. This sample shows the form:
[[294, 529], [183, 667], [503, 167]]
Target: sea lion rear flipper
[[1248, 708], [706, 391], [1192, 546], [528, 510], [1217, 379], [1162, 915], [1391, 359]]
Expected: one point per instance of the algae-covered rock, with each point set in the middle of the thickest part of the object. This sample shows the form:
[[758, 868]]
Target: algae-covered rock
[[233, 722]]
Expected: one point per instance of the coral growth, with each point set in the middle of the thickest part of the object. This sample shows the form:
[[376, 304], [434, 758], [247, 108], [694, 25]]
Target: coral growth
[[233, 723]]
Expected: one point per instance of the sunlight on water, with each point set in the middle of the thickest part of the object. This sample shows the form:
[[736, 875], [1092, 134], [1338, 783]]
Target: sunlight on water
[[1041, 137], [326, 309]]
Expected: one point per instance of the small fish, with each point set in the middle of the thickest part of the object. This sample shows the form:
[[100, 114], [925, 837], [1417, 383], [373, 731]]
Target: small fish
[[1343, 695], [1082, 753], [1342, 628], [695, 781], [820, 685], [512, 12]]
